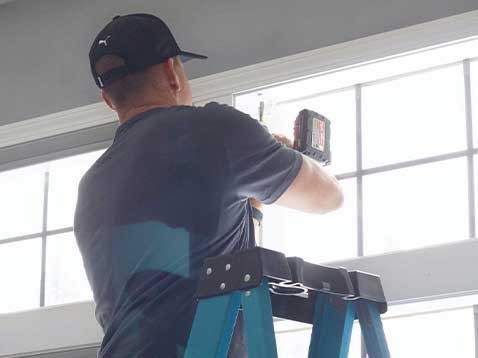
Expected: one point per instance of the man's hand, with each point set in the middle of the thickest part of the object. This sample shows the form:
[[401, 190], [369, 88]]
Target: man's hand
[[283, 140], [256, 204]]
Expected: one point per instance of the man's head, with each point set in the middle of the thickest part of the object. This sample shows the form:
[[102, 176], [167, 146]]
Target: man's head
[[136, 62], [165, 83]]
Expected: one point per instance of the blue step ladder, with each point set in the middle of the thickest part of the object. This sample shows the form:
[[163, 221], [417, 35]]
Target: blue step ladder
[[263, 284]]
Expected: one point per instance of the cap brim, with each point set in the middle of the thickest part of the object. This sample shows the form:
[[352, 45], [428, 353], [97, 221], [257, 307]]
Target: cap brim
[[186, 56]]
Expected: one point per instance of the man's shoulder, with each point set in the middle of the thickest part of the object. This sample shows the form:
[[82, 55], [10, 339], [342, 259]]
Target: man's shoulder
[[228, 115], [223, 109], [215, 106]]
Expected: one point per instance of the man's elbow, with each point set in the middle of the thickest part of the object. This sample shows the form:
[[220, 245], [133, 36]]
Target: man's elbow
[[338, 199], [330, 201]]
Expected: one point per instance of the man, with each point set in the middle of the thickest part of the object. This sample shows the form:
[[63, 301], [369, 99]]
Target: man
[[172, 189]]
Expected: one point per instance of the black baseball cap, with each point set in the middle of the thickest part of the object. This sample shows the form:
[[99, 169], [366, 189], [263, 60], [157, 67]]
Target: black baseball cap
[[141, 40]]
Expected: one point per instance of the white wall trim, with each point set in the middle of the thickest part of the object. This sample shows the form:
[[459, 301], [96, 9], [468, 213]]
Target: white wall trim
[[221, 86], [49, 329], [55, 124]]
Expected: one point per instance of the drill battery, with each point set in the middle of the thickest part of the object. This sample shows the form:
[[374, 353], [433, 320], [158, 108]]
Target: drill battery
[[312, 136]]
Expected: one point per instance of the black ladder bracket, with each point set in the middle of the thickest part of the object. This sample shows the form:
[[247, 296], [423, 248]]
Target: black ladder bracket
[[241, 271], [293, 282]]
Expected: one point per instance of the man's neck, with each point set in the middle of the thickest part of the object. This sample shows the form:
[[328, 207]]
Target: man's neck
[[126, 114]]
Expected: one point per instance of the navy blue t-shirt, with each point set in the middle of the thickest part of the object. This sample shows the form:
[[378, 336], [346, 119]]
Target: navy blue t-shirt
[[170, 191]]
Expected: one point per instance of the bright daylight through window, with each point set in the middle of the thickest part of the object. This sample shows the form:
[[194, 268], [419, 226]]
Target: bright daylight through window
[[37, 207]]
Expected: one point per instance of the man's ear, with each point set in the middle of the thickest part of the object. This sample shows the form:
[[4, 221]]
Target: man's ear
[[107, 100], [171, 75]]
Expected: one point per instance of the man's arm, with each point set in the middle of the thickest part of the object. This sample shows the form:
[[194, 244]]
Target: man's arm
[[262, 167], [313, 190]]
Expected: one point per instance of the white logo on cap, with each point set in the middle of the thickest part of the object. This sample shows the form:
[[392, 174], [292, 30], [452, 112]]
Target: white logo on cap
[[105, 41]]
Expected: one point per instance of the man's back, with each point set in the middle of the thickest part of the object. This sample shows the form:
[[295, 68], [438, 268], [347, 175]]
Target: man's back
[[172, 190]]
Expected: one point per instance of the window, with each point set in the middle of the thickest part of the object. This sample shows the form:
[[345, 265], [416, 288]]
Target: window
[[65, 175], [65, 276], [438, 328], [39, 260], [293, 339], [20, 273], [406, 179], [438, 334], [415, 207], [21, 207], [401, 120]]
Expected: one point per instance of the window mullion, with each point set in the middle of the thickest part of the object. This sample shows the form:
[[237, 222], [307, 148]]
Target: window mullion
[[469, 140], [358, 109], [44, 235], [358, 140]]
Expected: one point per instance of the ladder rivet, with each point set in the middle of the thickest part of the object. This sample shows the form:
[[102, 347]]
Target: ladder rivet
[[248, 293], [209, 271], [247, 278], [223, 286], [228, 267]]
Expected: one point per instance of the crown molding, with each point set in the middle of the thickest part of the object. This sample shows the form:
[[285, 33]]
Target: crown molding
[[55, 124], [346, 54], [220, 87]]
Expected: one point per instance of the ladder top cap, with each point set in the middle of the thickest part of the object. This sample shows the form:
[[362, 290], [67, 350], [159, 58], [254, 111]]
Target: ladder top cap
[[246, 269]]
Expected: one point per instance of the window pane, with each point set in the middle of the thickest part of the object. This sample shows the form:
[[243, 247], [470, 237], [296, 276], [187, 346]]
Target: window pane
[[295, 343], [315, 238], [20, 269], [21, 204], [474, 100], [340, 109], [65, 175], [415, 207], [438, 335], [65, 276], [414, 117]]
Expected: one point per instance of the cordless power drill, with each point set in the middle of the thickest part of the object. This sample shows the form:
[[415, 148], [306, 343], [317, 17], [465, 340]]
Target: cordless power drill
[[312, 136]]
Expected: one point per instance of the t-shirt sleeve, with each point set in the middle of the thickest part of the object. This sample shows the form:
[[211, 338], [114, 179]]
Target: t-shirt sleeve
[[260, 167]]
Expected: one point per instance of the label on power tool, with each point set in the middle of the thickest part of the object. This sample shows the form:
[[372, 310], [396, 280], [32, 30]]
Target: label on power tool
[[318, 134]]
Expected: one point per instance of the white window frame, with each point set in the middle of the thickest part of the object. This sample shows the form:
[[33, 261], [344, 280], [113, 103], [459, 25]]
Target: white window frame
[[423, 274]]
